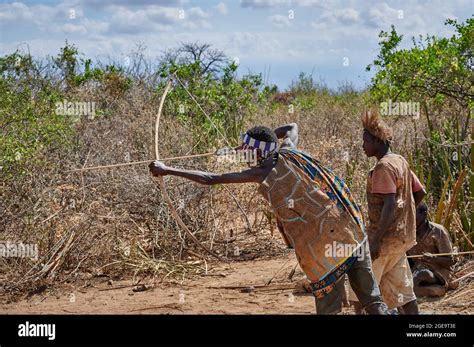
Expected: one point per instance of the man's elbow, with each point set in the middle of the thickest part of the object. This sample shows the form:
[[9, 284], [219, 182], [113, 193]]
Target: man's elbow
[[293, 133], [209, 180], [293, 126], [294, 129], [390, 201], [419, 196]]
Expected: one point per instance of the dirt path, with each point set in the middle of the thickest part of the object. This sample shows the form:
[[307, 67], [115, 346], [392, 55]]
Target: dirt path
[[195, 296]]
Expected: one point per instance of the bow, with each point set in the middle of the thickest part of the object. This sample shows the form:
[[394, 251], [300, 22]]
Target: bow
[[162, 184]]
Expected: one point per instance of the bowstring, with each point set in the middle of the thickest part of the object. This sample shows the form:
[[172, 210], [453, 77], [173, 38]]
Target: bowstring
[[201, 109]]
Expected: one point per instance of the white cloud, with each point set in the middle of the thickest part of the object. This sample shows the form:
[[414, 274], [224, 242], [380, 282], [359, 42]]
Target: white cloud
[[196, 18], [222, 8], [73, 29], [132, 21], [381, 15], [280, 21], [338, 25], [347, 15], [156, 19], [263, 3], [40, 14], [133, 3], [68, 17], [14, 12], [315, 3], [321, 34]]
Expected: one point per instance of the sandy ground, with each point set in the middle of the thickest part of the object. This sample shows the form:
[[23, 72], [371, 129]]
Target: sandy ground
[[210, 294]]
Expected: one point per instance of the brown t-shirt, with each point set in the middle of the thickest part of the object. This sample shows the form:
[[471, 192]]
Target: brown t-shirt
[[392, 174], [436, 240]]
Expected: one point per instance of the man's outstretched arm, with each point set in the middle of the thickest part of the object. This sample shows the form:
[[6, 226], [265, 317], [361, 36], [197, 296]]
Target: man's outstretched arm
[[252, 175]]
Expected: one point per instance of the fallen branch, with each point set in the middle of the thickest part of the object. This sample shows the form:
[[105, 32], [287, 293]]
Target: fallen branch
[[457, 296], [276, 273], [119, 287], [52, 216], [261, 287], [173, 306], [463, 277]]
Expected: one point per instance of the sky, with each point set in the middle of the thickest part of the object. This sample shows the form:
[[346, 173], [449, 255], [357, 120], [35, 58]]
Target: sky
[[334, 40]]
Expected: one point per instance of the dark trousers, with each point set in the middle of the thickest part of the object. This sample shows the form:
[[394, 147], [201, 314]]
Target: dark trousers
[[362, 281]]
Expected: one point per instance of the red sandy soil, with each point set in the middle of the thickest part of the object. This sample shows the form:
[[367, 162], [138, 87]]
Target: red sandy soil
[[211, 294]]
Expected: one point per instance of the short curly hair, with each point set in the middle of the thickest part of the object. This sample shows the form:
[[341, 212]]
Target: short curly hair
[[262, 133]]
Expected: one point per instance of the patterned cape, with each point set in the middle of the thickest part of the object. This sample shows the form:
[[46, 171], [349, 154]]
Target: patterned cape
[[324, 211], [331, 184]]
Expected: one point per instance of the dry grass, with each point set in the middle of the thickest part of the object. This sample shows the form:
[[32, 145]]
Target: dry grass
[[115, 221]]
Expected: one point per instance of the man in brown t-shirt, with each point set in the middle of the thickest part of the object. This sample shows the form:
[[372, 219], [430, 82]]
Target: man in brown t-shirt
[[393, 191], [431, 274]]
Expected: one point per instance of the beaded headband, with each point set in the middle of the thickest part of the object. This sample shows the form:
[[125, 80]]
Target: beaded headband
[[265, 147]]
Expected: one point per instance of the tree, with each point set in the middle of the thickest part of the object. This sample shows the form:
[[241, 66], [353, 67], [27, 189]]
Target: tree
[[435, 67], [213, 81], [438, 73], [200, 55]]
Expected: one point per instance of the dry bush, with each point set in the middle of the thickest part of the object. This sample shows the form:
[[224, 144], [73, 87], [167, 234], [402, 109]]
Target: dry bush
[[115, 222]]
